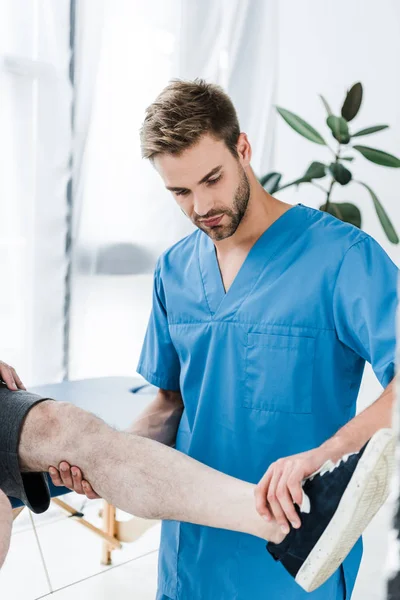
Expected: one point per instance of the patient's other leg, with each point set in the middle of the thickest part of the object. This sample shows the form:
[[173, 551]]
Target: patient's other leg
[[5, 526]]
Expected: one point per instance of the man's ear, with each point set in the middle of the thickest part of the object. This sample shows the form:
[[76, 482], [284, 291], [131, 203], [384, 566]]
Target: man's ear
[[244, 149]]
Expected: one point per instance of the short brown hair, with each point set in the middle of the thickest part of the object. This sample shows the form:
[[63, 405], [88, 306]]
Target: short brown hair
[[183, 112]]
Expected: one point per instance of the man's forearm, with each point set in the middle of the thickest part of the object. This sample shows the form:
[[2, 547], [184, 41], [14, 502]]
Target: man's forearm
[[353, 436], [160, 420]]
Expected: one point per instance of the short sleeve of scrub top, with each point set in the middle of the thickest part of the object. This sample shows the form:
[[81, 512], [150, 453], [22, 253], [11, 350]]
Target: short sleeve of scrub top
[[159, 362], [365, 304]]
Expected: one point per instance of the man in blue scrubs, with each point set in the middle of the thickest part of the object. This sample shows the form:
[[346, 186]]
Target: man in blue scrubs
[[262, 321]]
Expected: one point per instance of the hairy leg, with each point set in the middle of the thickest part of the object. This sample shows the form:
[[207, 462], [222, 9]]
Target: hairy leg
[[5, 526], [138, 475]]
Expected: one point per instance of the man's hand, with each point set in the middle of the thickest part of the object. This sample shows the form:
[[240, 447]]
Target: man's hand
[[71, 477], [281, 486], [9, 376]]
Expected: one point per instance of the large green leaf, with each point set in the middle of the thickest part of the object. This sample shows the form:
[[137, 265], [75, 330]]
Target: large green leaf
[[369, 130], [352, 102], [325, 103], [345, 212], [270, 182], [382, 216], [299, 125], [339, 128], [378, 156], [340, 173], [315, 171]]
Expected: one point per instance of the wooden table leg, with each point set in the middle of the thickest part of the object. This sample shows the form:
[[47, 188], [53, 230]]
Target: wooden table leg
[[17, 511], [109, 526], [111, 540]]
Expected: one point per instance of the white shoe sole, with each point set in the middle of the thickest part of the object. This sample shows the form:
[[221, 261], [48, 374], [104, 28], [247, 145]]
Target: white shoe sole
[[366, 492]]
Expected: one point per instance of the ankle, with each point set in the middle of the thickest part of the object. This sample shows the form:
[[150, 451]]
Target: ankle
[[270, 531], [276, 535]]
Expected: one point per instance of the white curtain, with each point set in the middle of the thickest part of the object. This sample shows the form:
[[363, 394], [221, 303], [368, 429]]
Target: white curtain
[[124, 216], [35, 146], [234, 43]]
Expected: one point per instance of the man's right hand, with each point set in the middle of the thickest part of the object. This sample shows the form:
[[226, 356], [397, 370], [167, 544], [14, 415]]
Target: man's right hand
[[71, 477]]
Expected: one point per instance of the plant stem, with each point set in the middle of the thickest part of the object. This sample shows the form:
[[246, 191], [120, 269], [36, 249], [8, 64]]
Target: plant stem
[[295, 182], [333, 152], [328, 195], [319, 187]]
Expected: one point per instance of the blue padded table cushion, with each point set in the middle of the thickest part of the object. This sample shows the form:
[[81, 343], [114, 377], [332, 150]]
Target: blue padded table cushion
[[116, 400]]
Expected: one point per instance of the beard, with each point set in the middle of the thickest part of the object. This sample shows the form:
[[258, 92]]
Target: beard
[[235, 214]]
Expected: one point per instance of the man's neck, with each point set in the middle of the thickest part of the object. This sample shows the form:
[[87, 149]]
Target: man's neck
[[263, 209]]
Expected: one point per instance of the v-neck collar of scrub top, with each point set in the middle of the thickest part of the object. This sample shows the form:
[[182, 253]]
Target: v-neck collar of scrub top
[[275, 238]]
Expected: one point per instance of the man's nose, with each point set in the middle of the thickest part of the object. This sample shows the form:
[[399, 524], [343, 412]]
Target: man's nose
[[202, 205]]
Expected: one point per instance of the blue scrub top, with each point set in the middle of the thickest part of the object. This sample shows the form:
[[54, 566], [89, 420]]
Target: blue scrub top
[[269, 369]]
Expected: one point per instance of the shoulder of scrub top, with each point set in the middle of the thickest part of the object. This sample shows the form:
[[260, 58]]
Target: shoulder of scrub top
[[178, 255], [331, 234]]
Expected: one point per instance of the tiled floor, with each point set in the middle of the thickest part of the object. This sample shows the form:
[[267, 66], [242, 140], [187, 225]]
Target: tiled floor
[[136, 580], [72, 555]]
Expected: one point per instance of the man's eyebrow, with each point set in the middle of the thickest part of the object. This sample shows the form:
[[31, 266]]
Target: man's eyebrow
[[210, 174]]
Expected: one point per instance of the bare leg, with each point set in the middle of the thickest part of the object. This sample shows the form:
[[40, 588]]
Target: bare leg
[[138, 475], [5, 526]]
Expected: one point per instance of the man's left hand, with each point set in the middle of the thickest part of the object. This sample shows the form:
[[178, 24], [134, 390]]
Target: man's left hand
[[281, 487]]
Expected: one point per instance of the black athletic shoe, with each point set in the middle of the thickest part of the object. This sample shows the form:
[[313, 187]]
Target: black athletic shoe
[[344, 497]]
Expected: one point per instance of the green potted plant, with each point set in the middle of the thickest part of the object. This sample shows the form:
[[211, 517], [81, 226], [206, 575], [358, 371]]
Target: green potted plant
[[337, 171]]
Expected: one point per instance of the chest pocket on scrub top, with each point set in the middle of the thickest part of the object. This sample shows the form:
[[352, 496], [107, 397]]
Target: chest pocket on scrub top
[[279, 373]]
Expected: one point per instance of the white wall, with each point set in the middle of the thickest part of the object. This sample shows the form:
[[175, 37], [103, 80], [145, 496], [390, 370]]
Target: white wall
[[325, 47]]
